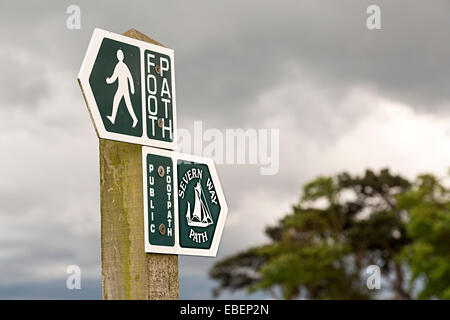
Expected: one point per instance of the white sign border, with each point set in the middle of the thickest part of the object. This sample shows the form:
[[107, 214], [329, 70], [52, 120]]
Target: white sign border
[[177, 249], [83, 80]]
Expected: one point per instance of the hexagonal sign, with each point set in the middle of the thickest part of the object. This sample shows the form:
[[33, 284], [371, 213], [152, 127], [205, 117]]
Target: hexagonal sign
[[129, 88], [184, 206]]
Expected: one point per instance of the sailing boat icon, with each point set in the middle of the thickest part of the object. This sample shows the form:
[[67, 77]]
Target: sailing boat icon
[[200, 216]]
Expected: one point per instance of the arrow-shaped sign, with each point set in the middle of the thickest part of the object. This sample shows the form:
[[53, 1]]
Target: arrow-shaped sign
[[184, 206], [129, 88]]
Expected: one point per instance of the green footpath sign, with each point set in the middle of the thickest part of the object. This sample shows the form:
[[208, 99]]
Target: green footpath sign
[[184, 206], [129, 88]]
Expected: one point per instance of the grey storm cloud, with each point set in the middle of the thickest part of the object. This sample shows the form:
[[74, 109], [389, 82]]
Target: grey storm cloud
[[227, 54], [22, 83]]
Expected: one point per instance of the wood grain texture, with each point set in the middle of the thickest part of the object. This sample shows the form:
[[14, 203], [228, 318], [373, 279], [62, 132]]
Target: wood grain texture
[[127, 271], [133, 33]]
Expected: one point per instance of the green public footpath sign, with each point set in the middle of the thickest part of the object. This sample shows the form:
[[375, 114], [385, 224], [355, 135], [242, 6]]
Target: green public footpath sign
[[184, 206], [129, 89]]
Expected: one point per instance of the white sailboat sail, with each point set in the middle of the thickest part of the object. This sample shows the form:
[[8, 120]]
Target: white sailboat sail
[[200, 215]]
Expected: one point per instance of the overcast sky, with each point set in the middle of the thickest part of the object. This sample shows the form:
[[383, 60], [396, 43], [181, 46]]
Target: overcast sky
[[342, 96]]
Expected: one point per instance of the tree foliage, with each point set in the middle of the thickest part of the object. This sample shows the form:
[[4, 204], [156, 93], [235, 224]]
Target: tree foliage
[[428, 254], [339, 227]]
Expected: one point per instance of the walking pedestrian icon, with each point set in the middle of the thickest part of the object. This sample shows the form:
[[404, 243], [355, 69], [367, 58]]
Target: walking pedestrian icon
[[123, 76]]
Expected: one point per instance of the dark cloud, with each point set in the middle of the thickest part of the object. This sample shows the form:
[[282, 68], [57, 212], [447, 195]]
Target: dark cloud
[[22, 83], [227, 55], [91, 289]]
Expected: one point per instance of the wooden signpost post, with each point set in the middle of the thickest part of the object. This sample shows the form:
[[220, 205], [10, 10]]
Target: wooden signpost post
[[128, 272], [128, 82]]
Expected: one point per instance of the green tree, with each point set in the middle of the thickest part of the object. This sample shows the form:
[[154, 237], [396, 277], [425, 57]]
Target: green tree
[[428, 254], [340, 226]]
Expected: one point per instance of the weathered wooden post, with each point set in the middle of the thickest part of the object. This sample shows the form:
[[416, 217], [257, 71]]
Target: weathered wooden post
[[128, 272]]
